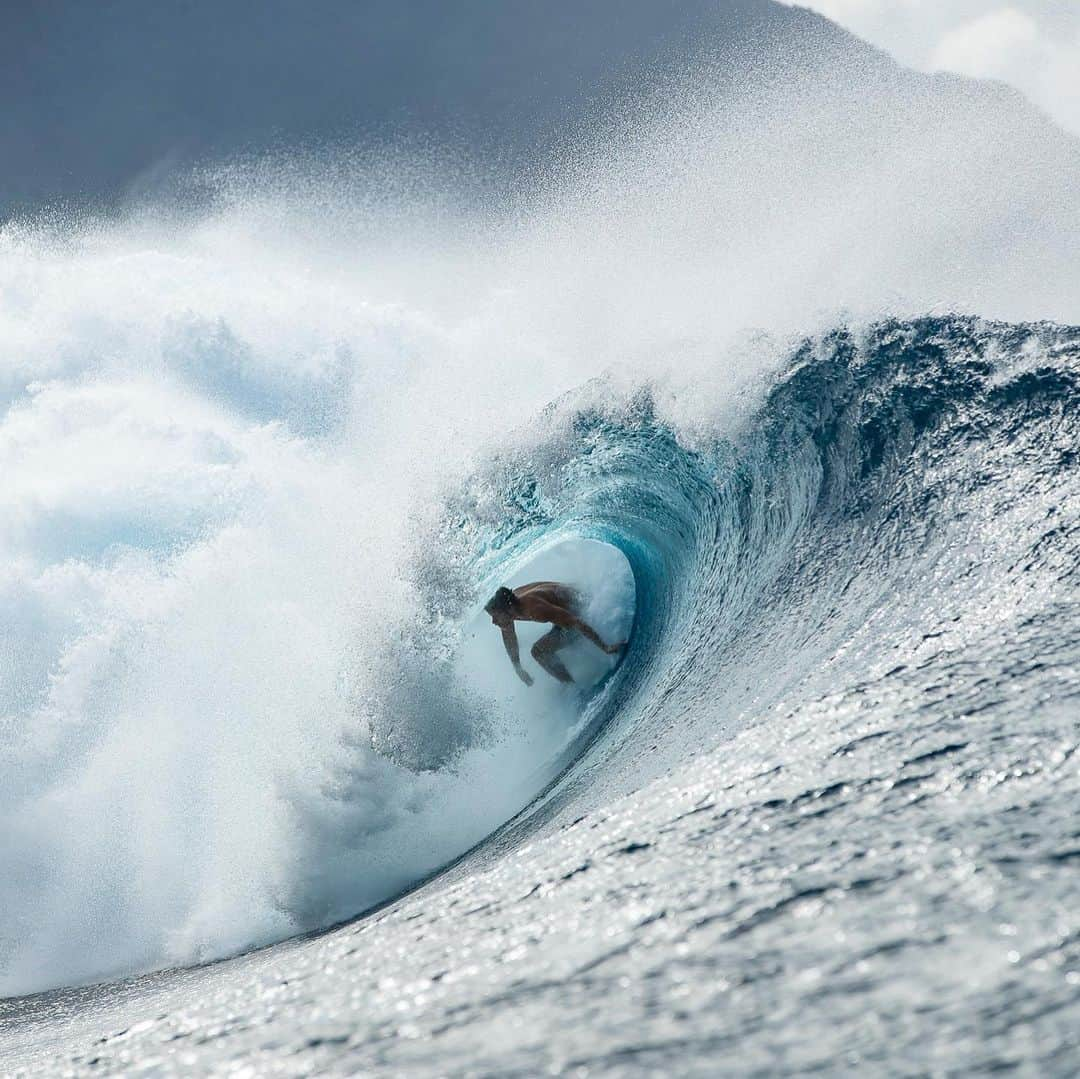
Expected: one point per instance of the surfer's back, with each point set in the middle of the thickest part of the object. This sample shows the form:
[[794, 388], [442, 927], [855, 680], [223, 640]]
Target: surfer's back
[[561, 595]]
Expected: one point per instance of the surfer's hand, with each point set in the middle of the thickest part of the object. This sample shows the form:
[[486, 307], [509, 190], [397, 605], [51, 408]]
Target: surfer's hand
[[524, 675], [613, 649]]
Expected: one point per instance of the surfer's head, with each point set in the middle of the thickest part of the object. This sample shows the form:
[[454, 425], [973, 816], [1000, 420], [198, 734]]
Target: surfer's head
[[501, 606]]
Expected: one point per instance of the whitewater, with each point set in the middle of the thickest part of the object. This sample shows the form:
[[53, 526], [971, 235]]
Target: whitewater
[[790, 391]]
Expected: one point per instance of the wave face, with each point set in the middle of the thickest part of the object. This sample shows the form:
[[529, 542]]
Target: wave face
[[262, 455], [837, 761], [839, 775]]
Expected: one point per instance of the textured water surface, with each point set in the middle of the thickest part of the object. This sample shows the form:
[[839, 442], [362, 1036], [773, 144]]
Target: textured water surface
[[828, 818]]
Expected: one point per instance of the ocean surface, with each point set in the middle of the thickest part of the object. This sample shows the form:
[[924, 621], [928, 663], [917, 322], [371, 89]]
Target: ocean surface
[[791, 392]]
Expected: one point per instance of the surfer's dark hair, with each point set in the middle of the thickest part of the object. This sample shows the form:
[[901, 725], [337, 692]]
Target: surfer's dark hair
[[503, 600]]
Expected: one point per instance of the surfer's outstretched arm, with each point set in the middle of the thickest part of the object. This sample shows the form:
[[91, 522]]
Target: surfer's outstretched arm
[[587, 631], [510, 643], [562, 617]]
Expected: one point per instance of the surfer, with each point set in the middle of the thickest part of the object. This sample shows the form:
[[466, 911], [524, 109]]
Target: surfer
[[543, 601]]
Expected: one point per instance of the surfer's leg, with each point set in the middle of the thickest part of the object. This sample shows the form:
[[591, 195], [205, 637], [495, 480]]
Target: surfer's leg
[[544, 653]]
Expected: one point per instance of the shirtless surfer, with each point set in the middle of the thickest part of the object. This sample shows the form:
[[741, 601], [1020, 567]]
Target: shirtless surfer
[[543, 601]]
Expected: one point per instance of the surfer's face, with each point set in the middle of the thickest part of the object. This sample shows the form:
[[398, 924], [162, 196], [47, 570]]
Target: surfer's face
[[501, 618]]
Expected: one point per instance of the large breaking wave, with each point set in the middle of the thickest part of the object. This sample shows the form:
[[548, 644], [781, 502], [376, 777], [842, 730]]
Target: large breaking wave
[[259, 461]]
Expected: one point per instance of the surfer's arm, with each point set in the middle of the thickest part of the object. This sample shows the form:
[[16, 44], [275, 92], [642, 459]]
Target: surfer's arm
[[561, 617], [510, 643], [587, 631]]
